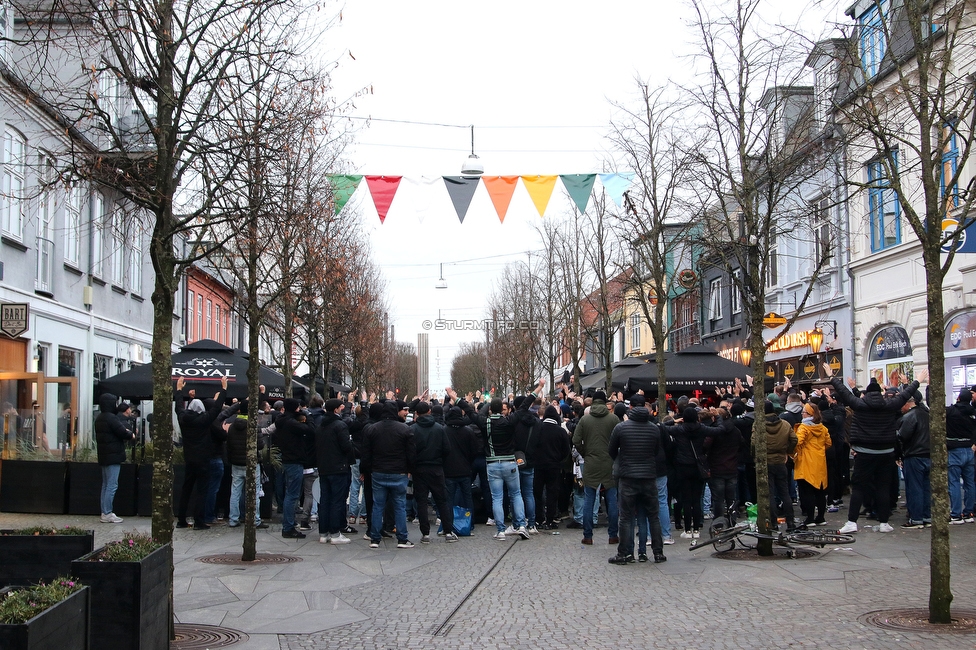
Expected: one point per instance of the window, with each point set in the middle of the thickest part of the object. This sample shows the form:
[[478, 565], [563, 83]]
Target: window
[[873, 41], [715, 299], [12, 191], [635, 328], [101, 365], [883, 207], [6, 28], [72, 226], [199, 316], [135, 240], [189, 317], [118, 246], [218, 330], [209, 319], [97, 225], [68, 361], [772, 266], [824, 89], [119, 366], [950, 161], [737, 291], [822, 244], [45, 227]]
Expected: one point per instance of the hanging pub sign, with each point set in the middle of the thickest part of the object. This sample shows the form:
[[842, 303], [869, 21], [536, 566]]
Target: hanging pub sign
[[14, 317]]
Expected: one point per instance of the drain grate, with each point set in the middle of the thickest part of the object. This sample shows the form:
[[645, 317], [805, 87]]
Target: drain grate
[[261, 558], [917, 620], [203, 637], [778, 554]]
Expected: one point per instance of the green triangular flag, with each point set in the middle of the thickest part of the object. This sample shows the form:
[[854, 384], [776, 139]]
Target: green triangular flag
[[343, 187], [579, 186]]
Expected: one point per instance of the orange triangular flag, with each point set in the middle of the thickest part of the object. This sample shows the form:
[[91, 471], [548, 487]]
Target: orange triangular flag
[[383, 189], [540, 189], [500, 189]]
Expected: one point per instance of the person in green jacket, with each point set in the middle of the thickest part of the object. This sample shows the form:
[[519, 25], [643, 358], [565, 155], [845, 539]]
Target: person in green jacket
[[780, 443], [592, 441]]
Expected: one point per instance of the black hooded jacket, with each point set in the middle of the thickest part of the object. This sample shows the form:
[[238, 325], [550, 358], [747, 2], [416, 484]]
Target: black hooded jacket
[[553, 445], [430, 441], [960, 425], [110, 433], [334, 452], [463, 444], [688, 439], [634, 445], [198, 441], [875, 417]]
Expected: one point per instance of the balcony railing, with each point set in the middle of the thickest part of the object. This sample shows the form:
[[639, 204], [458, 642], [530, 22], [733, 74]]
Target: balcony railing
[[682, 337]]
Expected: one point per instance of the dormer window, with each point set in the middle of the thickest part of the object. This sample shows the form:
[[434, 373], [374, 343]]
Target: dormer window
[[873, 40]]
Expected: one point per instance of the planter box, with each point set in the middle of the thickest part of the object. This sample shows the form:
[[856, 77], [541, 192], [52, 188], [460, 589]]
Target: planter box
[[26, 559], [85, 489], [130, 601], [62, 627], [36, 486], [144, 491]]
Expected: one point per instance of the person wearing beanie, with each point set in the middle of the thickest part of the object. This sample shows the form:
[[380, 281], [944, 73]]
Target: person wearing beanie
[[780, 442], [198, 448], [810, 465], [592, 439], [873, 438], [292, 433], [552, 448], [428, 473], [110, 438], [913, 434], [334, 454], [960, 441], [389, 450], [463, 446], [236, 430]]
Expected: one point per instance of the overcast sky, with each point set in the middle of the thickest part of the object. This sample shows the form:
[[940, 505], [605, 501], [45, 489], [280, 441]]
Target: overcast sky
[[537, 80]]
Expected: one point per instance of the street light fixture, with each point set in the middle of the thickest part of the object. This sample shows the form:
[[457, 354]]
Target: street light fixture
[[441, 282], [472, 166]]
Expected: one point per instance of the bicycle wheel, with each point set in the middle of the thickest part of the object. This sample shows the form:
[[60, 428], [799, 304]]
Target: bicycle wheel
[[815, 538], [721, 540], [715, 530]]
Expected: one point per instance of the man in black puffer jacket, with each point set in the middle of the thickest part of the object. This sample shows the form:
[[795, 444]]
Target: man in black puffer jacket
[[428, 473], [633, 445], [334, 454], [198, 448], [873, 437], [389, 451], [110, 438], [292, 433], [463, 445], [913, 434], [552, 447]]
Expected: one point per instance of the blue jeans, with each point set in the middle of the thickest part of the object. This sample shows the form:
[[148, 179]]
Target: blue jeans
[[110, 483], [293, 479], [393, 487], [502, 475], [527, 486], [356, 506], [216, 476], [238, 476], [459, 491], [961, 467], [663, 514], [333, 491], [579, 499], [588, 505], [918, 490]]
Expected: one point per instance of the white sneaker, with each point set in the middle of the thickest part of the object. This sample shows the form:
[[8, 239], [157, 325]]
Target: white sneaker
[[490, 522], [340, 539], [111, 518], [533, 531], [885, 528], [437, 522], [511, 530], [668, 540], [849, 527], [685, 535], [523, 533], [695, 534], [499, 536], [324, 539], [450, 537]]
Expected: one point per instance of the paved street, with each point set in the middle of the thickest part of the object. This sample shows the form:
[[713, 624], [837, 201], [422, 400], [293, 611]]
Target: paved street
[[551, 592]]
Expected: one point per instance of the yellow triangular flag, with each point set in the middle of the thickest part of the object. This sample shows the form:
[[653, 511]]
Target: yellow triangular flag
[[540, 190]]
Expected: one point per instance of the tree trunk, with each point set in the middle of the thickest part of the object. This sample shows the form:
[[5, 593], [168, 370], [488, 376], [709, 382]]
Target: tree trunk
[[763, 515]]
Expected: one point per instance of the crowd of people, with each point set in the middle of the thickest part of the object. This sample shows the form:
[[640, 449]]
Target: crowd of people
[[540, 461]]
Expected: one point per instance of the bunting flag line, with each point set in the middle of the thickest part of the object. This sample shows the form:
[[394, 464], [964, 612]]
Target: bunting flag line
[[383, 189], [579, 186], [540, 190], [461, 189], [343, 187], [616, 185], [422, 197], [500, 189]]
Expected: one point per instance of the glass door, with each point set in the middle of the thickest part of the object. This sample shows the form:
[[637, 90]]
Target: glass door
[[39, 415]]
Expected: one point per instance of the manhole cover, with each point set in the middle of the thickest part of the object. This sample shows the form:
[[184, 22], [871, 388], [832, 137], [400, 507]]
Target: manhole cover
[[193, 637], [778, 554], [917, 620], [235, 558]]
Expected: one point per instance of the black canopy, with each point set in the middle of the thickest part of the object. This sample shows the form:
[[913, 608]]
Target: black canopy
[[696, 367], [201, 364]]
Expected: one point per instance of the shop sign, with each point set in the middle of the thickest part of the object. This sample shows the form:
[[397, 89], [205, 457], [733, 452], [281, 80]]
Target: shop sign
[[789, 341], [13, 318], [890, 343], [960, 333], [789, 370]]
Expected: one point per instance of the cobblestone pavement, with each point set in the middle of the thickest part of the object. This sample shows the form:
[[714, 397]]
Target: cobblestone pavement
[[551, 592]]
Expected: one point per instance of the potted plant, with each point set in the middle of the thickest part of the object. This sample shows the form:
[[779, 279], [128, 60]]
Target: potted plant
[[130, 584], [45, 616], [29, 555], [34, 482]]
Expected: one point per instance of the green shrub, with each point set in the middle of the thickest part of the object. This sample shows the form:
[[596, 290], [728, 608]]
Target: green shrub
[[48, 530], [21, 604], [131, 548]]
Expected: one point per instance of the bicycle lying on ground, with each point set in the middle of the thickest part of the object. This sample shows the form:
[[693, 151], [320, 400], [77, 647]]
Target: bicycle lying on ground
[[723, 536]]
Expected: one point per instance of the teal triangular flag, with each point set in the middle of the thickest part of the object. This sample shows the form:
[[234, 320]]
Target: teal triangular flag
[[579, 187]]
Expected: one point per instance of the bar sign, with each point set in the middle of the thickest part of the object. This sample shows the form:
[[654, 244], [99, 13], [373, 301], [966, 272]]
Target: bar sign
[[13, 318]]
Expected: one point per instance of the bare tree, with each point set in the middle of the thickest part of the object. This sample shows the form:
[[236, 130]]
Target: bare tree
[[908, 105], [468, 368]]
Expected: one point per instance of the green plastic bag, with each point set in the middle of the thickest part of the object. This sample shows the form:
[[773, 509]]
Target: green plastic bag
[[751, 512]]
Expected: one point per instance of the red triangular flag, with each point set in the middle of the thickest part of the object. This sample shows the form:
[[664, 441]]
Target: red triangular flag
[[383, 189]]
